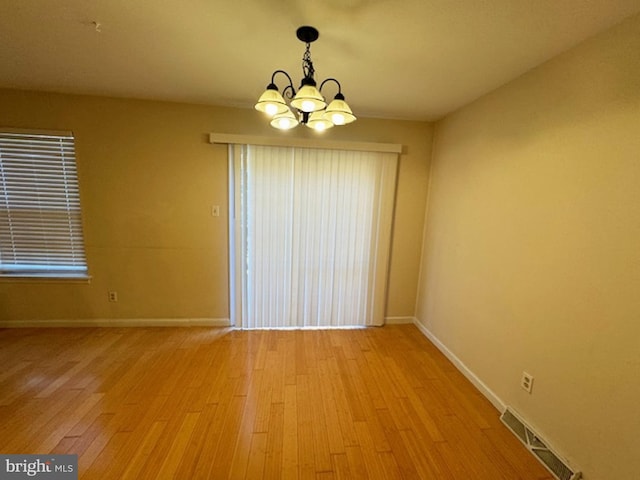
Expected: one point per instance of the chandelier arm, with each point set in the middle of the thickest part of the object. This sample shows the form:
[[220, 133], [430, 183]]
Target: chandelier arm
[[289, 91], [331, 80]]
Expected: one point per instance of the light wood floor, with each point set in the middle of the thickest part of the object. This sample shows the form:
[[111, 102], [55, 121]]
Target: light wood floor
[[146, 403]]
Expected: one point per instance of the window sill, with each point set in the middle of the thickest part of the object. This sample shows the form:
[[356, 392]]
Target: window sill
[[34, 278]]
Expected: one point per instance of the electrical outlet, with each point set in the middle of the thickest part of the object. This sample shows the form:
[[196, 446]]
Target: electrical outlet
[[113, 296], [526, 382]]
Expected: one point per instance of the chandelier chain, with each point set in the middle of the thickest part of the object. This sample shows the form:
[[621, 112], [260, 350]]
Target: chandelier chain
[[307, 64]]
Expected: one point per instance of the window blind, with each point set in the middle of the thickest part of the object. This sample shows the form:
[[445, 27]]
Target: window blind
[[40, 218], [310, 235]]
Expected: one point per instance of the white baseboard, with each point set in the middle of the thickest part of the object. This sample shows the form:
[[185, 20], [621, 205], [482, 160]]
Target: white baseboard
[[399, 320], [472, 377], [119, 322]]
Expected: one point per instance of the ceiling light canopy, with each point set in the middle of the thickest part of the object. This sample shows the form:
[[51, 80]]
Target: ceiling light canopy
[[308, 103]]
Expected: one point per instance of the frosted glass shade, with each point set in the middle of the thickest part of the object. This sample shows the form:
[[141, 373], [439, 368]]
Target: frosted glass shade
[[318, 122], [308, 99], [339, 113], [271, 103], [284, 121]]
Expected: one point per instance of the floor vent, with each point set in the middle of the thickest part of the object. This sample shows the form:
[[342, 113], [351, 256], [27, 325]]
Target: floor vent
[[540, 450]]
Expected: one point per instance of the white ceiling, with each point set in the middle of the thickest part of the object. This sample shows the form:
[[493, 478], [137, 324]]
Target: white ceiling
[[409, 59]]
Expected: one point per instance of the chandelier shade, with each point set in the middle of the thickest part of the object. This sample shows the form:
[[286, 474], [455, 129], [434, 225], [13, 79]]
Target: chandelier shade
[[308, 99], [338, 112], [318, 122], [284, 121], [271, 102], [307, 106]]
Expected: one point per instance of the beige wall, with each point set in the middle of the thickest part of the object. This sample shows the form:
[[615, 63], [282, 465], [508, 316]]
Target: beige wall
[[532, 248], [148, 179]]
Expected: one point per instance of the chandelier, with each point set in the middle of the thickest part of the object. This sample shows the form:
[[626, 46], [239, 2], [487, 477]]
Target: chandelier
[[308, 103]]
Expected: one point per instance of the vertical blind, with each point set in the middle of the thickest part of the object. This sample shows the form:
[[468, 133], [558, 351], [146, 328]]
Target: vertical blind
[[312, 235], [40, 221]]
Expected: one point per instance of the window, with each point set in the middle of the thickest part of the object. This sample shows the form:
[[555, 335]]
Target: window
[[40, 221]]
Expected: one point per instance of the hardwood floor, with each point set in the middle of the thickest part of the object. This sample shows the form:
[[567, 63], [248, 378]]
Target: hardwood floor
[[147, 403]]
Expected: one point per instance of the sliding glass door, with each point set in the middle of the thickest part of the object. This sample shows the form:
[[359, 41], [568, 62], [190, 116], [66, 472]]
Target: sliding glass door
[[310, 235]]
